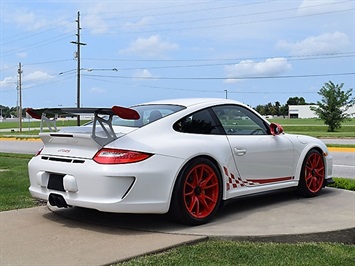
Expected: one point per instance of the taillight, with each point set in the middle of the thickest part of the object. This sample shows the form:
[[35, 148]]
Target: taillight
[[116, 156], [39, 151]]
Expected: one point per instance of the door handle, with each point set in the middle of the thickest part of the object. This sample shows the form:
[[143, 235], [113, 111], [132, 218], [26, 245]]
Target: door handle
[[240, 151]]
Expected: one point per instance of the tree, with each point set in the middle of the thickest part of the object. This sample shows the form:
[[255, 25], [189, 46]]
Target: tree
[[333, 105], [296, 101]]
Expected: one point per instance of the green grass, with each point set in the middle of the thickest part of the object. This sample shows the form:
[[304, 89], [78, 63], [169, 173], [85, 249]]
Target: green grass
[[316, 128], [14, 182], [217, 252], [36, 124], [344, 183]]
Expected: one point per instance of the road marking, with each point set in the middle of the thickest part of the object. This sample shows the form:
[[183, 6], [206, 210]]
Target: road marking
[[338, 149], [343, 165], [18, 139]]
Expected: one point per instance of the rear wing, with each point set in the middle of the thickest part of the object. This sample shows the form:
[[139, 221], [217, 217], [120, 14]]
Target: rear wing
[[102, 117]]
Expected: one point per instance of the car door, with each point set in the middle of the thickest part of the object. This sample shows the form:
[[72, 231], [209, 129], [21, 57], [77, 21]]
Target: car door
[[260, 157]]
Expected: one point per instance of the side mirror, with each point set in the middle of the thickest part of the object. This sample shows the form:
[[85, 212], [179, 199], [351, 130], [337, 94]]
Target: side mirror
[[276, 129]]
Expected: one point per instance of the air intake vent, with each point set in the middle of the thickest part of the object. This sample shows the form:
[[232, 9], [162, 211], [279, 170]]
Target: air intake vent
[[62, 160]]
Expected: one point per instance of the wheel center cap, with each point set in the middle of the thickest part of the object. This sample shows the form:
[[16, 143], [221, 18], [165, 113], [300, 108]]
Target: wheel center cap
[[198, 190]]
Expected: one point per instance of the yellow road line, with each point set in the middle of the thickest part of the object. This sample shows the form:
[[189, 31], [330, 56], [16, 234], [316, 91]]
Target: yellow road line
[[22, 139], [338, 149]]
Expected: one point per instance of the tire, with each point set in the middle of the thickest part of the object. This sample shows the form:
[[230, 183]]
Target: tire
[[312, 174], [197, 193]]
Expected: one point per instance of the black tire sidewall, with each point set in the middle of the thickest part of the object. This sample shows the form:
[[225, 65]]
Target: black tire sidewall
[[303, 189], [177, 208]]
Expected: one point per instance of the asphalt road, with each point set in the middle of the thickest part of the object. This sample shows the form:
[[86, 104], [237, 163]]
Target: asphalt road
[[343, 164]]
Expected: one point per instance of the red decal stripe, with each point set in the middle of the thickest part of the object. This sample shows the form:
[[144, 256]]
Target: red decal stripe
[[271, 180]]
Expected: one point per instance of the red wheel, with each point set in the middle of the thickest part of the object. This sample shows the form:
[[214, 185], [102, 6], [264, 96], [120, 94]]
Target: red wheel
[[201, 191], [197, 192], [312, 174]]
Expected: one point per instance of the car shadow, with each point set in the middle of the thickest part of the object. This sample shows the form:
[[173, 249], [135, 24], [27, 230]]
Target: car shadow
[[231, 212]]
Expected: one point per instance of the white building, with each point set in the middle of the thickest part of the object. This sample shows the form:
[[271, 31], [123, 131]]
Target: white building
[[304, 111]]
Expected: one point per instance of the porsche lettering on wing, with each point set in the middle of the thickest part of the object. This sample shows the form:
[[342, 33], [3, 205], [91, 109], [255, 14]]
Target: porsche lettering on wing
[[182, 156]]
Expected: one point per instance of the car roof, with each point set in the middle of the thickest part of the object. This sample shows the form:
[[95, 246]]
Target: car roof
[[188, 102]]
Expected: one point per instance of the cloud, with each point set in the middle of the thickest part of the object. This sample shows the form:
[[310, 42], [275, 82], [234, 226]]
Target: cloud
[[324, 43], [8, 82], [21, 55], [95, 24], [138, 24], [143, 73], [36, 76], [153, 46], [97, 90], [27, 80], [250, 68], [25, 19]]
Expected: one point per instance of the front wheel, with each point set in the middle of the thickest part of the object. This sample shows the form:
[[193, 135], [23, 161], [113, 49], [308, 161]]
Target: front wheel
[[197, 193], [312, 174]]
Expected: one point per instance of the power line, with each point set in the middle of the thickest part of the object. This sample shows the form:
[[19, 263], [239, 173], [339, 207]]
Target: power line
[[234, 16], [289, 59], [340, 54], [29, 36], [178, 12], [225, 78], [182, 29]]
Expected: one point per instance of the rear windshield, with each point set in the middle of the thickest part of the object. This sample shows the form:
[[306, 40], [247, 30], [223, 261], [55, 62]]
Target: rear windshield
[[148, 114]]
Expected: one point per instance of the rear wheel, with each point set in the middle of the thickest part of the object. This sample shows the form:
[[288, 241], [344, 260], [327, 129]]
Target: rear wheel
[[197, 193], [312, 174]]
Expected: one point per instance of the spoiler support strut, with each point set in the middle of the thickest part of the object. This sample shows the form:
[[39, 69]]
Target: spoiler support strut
[[49, 122], [106, 125]]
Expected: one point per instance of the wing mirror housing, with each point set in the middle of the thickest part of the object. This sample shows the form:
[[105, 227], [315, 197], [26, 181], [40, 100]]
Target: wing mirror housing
[[276, 129]]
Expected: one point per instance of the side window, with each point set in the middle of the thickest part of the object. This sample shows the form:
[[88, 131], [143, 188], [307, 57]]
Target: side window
[[200, 122], [238, 120]]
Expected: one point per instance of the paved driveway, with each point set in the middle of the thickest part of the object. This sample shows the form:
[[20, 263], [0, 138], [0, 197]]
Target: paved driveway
[[78, 236]]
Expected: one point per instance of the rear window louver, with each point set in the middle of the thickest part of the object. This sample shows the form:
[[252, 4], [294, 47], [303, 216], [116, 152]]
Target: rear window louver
[[62, 160]]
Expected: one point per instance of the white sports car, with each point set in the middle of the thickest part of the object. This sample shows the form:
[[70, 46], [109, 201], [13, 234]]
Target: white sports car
[[183, 156]]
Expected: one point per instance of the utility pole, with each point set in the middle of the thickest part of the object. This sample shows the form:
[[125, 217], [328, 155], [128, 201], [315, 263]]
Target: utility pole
[[19, 88], [78, 44]]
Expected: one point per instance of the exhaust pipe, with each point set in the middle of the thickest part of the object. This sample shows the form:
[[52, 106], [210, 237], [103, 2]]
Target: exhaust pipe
[[57, 200]]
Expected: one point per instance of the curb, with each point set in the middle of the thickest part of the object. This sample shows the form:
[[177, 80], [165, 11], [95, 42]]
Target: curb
[[344, 236]]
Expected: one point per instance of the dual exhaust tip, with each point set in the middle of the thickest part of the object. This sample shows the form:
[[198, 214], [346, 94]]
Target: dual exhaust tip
[[57, 200]]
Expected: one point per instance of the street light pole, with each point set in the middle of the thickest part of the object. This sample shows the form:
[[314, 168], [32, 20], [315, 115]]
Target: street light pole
[[19, 87]]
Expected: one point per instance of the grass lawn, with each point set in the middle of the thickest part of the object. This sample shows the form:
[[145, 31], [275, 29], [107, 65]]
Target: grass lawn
[[219, 252], [14, 182], [316, 128], [14, 194], [36, 124]]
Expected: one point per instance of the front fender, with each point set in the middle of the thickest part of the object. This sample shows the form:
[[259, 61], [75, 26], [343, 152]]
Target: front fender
[[327, 158]]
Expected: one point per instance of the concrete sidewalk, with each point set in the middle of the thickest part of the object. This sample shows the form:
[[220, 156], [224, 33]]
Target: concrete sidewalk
[[38, 236], [76, 236]]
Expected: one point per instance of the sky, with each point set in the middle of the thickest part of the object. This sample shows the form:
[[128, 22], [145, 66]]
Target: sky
[[133, 52]]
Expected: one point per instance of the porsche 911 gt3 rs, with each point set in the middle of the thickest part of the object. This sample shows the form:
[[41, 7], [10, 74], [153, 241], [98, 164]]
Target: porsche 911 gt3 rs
[[183, 156]]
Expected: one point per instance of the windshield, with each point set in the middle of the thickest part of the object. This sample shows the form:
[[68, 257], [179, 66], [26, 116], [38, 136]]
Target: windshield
[[148, 114]]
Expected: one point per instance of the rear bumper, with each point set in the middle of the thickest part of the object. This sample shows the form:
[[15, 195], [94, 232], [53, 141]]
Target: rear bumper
[[143, 187]]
